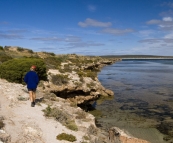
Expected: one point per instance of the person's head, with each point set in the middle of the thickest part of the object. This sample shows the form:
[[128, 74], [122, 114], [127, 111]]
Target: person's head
[[33, 67]]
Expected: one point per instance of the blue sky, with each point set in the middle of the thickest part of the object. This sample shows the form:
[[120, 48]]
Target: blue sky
[[88, 27]]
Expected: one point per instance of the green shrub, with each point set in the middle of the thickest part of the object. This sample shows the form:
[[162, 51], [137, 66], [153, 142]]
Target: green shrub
[[91, 84], [4, 57], [14, 70], [67, 137], [53, 62], [1, 48], [70, 124], [67, 68], [6, 47], [60, 79], [81, 115], [49, 53], [85, 137], [81, 73], [61, 117], [20, 49], [30, 51], [91, 74]]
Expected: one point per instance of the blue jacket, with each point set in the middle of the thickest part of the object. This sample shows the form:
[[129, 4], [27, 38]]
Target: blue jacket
[[31, 79]]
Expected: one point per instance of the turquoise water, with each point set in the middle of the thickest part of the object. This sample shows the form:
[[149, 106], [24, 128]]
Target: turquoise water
[[143, 95]]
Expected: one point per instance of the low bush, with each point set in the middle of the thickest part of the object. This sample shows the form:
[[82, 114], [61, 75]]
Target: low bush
[[81, 73], [1, 48], [91, 74], [4, 57], [14, 70], [81, 115], [61, 117], [30, 51], [91, 84], [92, 130], [56, 113], [59, 79], [53, 62], [67, 137], [20, 49], [70, 124], [85, 137]]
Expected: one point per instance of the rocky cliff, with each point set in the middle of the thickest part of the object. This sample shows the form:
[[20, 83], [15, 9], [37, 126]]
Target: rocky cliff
[[72, 80], [21, 123]]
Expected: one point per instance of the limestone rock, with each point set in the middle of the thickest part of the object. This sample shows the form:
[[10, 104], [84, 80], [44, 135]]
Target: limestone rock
[[4, 137], [109, 92]]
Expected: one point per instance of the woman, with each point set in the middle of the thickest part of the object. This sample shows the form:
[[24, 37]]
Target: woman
[[31, 79]]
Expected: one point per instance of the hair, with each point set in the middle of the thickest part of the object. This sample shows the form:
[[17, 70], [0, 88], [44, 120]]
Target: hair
[[33, 68]]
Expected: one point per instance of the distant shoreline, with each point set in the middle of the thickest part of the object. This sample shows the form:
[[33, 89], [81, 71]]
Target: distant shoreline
[[137, 56]]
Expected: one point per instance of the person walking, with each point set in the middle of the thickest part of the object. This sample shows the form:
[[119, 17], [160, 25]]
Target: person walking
[[31, 79]]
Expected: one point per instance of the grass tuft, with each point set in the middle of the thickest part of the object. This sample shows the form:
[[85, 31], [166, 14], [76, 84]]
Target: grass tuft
[[67, 137]]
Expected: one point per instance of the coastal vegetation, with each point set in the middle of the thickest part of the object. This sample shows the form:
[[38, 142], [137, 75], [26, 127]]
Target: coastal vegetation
[[67, 137], [75, 79], [14, 70], [61, 116]]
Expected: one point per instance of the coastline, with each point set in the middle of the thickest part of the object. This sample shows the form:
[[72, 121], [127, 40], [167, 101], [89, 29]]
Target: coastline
[[138, 126], [70, 83]]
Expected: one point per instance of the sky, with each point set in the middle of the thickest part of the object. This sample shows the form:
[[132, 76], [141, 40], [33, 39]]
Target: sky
[[89, 27]]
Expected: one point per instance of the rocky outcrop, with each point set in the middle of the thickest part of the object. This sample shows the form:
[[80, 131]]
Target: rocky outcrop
[[76, 90], [4, 137], [27, 124]]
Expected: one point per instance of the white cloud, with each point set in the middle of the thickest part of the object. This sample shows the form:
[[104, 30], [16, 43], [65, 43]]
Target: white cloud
[[169, 36], [58, 39], [94, 23], [117, 31], [84, 44], [55, 39], [10, 36], [154, 21], [167, 18], [91, 8], [146, 33], [165, 24], [72, 39], [158, 41]]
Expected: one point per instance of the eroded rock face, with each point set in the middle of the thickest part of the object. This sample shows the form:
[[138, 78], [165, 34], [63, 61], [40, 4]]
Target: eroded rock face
[[81, 91], [27, 124]]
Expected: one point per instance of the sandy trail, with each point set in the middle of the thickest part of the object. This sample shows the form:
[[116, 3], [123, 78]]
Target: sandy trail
[[26, 124]]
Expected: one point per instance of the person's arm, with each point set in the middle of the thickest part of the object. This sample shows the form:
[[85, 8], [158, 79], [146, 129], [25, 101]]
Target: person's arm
[[37, 79], [26, 78]]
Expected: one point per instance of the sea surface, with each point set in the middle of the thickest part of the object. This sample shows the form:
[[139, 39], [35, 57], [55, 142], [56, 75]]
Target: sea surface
[[143, 97]]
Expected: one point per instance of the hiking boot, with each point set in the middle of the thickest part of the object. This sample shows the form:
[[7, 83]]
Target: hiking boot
[[32, 104]]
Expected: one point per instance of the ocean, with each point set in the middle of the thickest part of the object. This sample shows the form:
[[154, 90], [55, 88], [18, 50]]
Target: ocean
[[143, 98]]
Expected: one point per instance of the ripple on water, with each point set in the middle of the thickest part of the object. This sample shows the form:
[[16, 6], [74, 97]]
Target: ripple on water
[[143, 98]]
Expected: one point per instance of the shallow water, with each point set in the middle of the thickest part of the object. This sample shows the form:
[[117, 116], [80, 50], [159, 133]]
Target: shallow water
[[143, 97]]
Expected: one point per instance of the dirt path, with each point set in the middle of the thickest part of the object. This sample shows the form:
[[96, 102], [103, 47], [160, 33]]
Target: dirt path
[[26, 124]]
